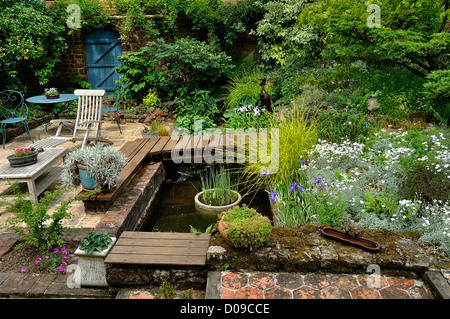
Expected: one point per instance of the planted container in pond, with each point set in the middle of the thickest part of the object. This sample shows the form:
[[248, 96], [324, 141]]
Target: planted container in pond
[[214, 206], [218, 192]]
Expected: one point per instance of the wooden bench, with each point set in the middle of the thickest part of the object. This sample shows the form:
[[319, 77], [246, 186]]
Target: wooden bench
[[154, 248], [135, 152]]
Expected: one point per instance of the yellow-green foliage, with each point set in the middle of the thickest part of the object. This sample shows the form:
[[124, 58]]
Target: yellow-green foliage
[[152, 99], [297, 135]]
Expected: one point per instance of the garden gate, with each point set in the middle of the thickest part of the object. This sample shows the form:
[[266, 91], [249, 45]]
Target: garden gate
[[102, 49]]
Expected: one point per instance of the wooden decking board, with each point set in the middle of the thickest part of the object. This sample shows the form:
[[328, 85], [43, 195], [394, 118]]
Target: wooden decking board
[[159, 145], [163, 235], [156, 260], [144, 250], [161, 242], [170, 145], [153, 248]]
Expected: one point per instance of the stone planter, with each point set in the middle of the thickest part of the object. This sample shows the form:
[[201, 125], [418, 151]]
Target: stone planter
[[204, 208], [149, 134], [15, 161], [91, 267]]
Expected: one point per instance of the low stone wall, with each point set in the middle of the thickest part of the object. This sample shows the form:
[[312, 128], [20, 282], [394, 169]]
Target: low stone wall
[[128, 210], [304, 249], [119, 276]]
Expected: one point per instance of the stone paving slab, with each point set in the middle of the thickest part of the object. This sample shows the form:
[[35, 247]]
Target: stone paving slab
[[265, 285]]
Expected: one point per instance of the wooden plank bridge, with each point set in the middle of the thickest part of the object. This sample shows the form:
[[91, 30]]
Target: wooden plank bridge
[[191, 148], [154, 248]]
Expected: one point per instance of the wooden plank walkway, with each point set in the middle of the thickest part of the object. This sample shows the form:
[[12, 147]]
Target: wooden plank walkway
[[159, 148], [154, 248]]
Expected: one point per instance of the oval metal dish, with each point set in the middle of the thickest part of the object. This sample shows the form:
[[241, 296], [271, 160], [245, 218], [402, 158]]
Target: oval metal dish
[[347, 238]]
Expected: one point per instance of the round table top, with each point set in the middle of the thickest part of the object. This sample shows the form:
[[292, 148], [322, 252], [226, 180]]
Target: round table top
[[41, 99]]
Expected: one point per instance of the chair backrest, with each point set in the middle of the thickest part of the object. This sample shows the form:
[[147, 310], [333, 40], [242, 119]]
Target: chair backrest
[[89, 109], [12, 104]]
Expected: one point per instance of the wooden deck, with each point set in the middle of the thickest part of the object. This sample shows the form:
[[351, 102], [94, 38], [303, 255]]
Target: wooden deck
[[153, 248]]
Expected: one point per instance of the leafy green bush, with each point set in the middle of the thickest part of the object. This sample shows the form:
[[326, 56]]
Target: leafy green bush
[[31, 45], [42, 228], [437, 89], [197, 107], [181, 66], [279, 35], [246, 227], [93, 13], [151, 99], [335, 126]]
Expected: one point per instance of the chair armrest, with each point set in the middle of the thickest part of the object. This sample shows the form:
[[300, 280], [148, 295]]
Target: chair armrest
[[62, 121], [89, 122]]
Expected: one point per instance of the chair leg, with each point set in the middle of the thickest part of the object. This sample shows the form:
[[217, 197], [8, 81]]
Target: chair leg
[[118, 122], [4, 134], [25, 124]]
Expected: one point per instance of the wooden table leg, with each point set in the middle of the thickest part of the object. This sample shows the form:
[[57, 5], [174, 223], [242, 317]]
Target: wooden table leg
[[32, 190]]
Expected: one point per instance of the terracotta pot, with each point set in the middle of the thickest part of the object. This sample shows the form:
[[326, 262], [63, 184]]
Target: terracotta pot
[[52, 96]]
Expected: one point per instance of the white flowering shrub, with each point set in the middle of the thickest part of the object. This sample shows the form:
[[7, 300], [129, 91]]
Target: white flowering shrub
[[370, 179]]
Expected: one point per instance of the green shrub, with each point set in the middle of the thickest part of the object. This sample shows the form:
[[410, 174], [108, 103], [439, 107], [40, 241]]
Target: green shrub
[[33, 221], [151, 99], [196, 107], [31, 45], [174, 68], [246, 227]]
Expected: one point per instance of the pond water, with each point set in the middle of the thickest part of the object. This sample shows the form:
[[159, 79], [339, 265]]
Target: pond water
[[174, 209]]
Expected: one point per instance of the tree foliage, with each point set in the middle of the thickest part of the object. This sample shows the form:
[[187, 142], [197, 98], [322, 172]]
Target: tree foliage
[[31, 44], [411, 35]]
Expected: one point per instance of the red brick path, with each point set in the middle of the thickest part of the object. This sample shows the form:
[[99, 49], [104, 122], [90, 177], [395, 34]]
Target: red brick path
[[260, 285]]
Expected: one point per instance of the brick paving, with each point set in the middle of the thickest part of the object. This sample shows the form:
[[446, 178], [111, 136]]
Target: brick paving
[[262, 285]]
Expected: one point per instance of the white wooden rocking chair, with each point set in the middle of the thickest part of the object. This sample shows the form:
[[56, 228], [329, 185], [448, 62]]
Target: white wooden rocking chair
[[89, 120]]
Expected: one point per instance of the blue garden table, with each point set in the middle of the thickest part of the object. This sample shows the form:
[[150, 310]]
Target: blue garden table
[[43, 100]]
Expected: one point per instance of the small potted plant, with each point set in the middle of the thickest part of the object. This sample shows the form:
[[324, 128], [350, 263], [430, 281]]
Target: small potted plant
[[218, 193], [96, 167], [23, 156], [244, 227], [51, 93], [91, 253]]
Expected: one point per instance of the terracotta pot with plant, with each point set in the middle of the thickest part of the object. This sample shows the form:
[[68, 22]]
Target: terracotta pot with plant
[[244, 227], [51, 93]]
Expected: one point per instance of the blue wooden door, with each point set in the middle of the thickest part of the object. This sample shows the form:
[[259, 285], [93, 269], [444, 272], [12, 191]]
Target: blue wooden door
[[102, 49]]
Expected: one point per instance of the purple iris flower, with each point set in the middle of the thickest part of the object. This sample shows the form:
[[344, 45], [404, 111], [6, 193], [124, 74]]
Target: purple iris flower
[[272, 196], [295, 186], [303, 162], [265, 172], [319, 181]]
